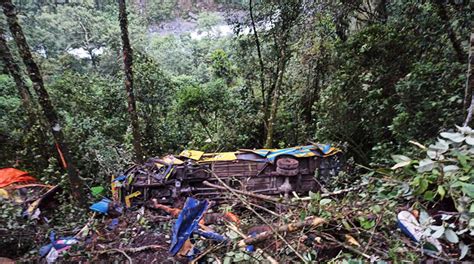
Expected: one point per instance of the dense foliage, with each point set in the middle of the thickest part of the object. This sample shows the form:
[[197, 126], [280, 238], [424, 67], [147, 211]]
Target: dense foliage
[[375, 81], [370, 75], [380, 82]]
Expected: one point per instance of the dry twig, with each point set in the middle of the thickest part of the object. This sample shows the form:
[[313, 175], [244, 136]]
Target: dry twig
[[130, 250]]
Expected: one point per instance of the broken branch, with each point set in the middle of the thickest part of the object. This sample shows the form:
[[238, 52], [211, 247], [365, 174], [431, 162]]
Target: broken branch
[[257, 249], [309, 222]]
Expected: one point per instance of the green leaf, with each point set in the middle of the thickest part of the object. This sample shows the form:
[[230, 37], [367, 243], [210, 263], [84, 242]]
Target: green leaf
[[424, 217], [464, 249], [97, 190], [401, 164], [468, 189], [463, 161], [464, 178], [439, 232], [423, 186], [365, 223], [440, 146], [429, 195], [455, 137], [470, 140], [432, 154], [451, 236], [464, 129], [376, 209], [400, 158], [325, 201], [315, 196], [425, 165], [227, 260], [450, 168], [303, 215], [441, 191]]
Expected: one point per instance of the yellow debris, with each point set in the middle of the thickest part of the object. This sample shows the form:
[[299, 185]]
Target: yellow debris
[[192, 154], [130, 196]]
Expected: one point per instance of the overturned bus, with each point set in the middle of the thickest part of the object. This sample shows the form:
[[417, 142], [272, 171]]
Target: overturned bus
[[171, 179]]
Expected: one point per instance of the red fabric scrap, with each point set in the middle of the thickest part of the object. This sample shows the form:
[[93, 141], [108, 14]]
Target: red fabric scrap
[[12, 175]]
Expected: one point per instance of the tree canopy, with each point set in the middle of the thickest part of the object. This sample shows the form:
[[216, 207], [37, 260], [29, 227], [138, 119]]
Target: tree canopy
[[367, 75]]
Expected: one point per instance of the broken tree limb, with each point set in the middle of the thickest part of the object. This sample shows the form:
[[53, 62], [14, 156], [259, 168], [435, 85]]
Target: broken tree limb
[[324, 195], [133, 250], [309, 222], [250, 194], [257, 249]]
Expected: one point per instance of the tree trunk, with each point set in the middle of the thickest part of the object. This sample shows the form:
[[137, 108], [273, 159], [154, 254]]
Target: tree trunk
[[15, 73], [312, 89], [275, 97], [44, 100], [443, 14], [128, 62], [468, 94], [34, 117], [382, 10], [259, 53]]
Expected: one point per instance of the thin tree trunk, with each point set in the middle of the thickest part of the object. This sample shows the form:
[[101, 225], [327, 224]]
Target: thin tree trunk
[[34, 117], [469, 83], [259, 53], [275, 101], [443, 14], [44, 100], [382, 10], [128, 62], [15, 73], [312, 88]]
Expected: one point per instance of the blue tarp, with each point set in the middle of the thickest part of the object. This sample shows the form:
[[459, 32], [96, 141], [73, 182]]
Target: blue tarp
[[187, 222], [102, 206], [303, 151], [62, 243]]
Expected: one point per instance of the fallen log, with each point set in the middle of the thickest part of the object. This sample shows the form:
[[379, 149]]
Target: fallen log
[[309, 222]]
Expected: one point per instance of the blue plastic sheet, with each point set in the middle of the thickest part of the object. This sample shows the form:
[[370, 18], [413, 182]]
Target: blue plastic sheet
[[187, 222], [113, 224], [62, 243], [302, 151], [120, 178], [102, 206], [210, 235]]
